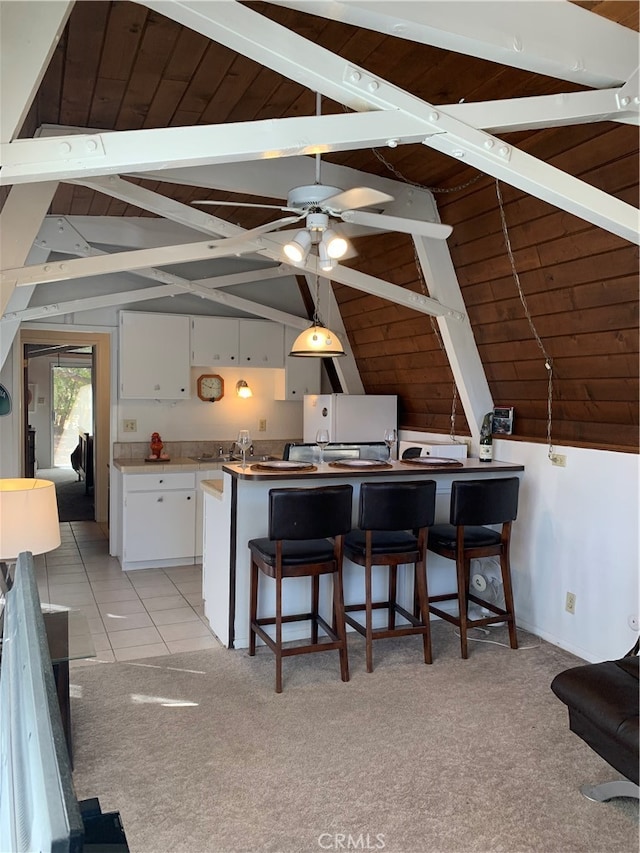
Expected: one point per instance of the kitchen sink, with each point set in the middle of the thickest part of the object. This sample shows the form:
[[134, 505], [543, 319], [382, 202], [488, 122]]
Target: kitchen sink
[[228, 458], [258, 458]]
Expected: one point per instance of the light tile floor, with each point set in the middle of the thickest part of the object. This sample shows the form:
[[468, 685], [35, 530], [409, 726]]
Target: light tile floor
[[131, 615]]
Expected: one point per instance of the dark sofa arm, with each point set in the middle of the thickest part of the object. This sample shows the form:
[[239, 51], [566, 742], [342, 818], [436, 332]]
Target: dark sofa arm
[[602, 700]]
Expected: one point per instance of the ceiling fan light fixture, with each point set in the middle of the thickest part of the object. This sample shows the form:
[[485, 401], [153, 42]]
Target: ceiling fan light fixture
[[325, 262], [316, 342], [298, 248], [335, 243], [317, 222]]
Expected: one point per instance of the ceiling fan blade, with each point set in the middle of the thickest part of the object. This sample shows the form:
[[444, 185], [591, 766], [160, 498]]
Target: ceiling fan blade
[[246, 204], [397, 223], [262, 229], [355, 198]]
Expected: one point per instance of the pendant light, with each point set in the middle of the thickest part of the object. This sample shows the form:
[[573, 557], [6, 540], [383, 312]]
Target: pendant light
[[317, 341]]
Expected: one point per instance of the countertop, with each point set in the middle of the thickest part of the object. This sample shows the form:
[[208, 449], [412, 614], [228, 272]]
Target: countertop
[[328, 470], [139, 466]]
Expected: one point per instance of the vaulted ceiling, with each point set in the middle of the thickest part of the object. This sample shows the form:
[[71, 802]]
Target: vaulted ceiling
[[217, 101]]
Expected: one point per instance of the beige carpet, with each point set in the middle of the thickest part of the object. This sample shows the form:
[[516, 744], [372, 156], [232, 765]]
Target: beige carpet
[[199, 754]]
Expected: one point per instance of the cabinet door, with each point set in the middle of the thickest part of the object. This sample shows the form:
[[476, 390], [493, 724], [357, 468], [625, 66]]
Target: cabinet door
[[300, 375], [214, 341], [154, 356], [159, 525], [261, 343]]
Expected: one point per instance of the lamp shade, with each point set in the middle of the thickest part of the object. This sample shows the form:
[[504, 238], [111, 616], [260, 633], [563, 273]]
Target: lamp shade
[[28, 517], [316, 341]]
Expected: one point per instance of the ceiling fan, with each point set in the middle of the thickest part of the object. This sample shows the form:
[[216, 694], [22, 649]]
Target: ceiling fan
[[319, 204]]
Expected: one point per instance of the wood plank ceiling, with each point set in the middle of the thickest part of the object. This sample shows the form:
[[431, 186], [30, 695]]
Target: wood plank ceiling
[[120, 66]]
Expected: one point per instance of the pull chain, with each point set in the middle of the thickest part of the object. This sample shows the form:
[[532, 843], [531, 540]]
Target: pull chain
[[548, 361]]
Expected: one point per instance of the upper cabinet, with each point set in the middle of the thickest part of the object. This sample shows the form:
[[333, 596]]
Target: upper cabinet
[[215, 341], [154, 356], [261, 343], [227, 342]]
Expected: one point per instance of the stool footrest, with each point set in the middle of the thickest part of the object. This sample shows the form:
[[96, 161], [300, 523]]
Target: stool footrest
[[288, 651], [416, 626]]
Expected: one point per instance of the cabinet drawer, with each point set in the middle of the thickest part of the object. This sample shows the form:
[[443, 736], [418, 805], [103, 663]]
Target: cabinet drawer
[[153, 482]]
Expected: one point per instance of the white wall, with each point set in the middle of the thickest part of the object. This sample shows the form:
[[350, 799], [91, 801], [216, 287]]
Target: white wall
[[193, 420], [577, 531]]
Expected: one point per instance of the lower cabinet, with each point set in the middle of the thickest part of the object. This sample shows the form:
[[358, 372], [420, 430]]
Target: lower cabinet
[[159, 519]]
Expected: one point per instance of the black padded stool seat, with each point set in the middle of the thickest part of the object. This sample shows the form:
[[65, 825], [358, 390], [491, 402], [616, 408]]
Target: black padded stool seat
[[474, 504], [300, 524], [602, 700], [388, 511]]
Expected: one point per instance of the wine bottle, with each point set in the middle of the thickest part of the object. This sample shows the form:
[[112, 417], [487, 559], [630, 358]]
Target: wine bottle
[[486, 438]]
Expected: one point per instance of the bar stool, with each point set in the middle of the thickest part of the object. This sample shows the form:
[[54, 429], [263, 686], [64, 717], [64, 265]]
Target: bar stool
[[387, 512], [300, 520], [475, 503]]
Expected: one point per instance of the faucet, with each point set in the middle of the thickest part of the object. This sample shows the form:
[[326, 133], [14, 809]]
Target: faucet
[[220, 450], [251, 450]]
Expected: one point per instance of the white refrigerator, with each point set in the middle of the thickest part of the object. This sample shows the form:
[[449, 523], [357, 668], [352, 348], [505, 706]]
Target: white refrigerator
[[349, 417]]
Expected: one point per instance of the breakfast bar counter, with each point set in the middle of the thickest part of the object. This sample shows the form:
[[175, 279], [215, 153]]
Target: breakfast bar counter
[[236, 509]]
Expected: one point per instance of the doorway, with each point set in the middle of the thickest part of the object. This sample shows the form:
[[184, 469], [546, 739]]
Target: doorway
[[95, 348]]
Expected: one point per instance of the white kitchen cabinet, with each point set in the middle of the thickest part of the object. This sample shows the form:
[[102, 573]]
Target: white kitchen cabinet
[[158, 520], [228, 342], [215, 341], [300, 376], [261, 343], [154, 356]]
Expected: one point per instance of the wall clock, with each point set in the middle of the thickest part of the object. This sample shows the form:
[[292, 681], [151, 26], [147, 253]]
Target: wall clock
[[210, 387]]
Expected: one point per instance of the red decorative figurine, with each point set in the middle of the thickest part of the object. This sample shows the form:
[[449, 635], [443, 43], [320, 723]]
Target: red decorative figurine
[[156, 445]]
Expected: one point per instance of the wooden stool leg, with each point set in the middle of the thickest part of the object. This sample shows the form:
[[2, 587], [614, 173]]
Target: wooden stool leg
[[508, 598], [393, 584], [253, 606], [340, 626], [315, 603], [463, 591], [369, 614], [420, 587], [278, 634]]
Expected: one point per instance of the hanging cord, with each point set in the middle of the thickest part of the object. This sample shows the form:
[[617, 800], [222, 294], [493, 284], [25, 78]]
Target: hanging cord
[[406, 180], [548, 361]]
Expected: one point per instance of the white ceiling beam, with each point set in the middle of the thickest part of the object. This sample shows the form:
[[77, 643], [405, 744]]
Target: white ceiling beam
[[513, 114], [90, 303], [28, 37], [133, 232], [21, 217], [539, 179], [128, 151], [555, 38], [145, 258], [161, 205], [249, 277], [125, 261], [19, 301], [345, 366]]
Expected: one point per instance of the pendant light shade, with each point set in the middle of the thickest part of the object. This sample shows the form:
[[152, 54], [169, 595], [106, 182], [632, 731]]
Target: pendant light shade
[[318, 342]]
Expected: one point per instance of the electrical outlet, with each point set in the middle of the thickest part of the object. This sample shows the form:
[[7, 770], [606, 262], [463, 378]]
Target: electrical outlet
[[559, 459], [129, 426], [570, 605], [262, 425]]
